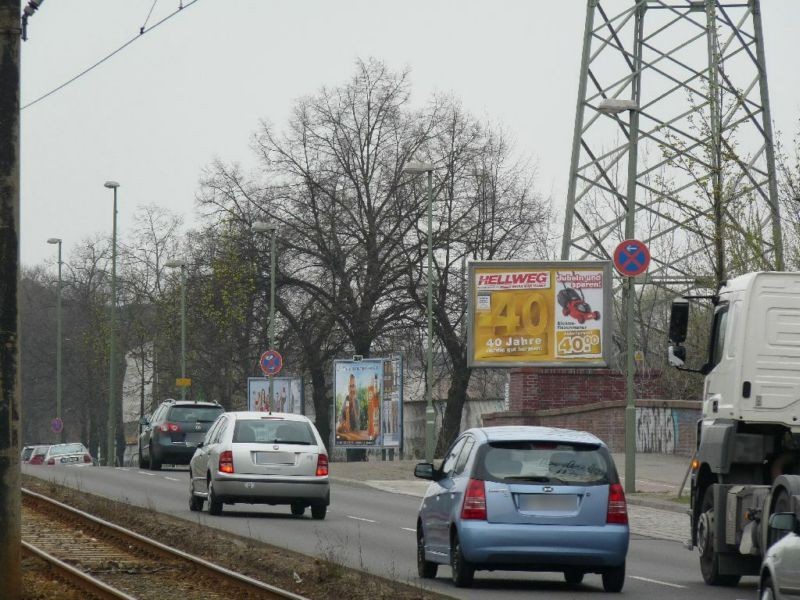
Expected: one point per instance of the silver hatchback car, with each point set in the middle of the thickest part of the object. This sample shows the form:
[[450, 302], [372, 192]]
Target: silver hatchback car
[[261, 458], [780, 571]]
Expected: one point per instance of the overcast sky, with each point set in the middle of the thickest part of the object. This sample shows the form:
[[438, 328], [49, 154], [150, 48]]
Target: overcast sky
[[194, 88]]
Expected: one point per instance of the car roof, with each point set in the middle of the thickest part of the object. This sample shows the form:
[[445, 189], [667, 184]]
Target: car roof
[[507, 433], [191, 403], [251, 414]]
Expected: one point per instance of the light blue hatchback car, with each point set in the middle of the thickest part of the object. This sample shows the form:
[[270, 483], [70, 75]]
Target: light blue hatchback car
[[524, 499]]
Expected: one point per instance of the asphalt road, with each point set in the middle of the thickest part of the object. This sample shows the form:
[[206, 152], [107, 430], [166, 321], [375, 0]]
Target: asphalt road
[[374, 531]]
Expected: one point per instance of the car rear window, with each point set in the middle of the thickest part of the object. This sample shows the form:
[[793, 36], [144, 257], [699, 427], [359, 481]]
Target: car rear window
[[556, 463], [67, 449], [273, 431], [26, 453], [195, 414]]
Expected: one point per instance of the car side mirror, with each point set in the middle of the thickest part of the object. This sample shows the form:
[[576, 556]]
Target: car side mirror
[[200, 444], [144, 420], [425, 471], [784, 522]]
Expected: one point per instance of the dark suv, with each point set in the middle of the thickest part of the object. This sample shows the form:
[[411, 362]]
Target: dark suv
[[172, 432]]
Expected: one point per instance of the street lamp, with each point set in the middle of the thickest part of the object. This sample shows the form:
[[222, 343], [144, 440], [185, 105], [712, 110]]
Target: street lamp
[[417, 168], [612, 107], [173, 264], [112, 407], [271, 228], [58, 339]]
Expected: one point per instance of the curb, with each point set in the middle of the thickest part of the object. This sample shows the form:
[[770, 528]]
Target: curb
[[659, 504], [637, 501]]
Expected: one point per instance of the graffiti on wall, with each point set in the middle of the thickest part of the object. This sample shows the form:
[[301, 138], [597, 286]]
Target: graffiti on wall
[[656, 430]]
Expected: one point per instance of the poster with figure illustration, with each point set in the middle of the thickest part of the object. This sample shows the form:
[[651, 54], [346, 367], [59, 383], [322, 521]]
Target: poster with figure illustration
[[554, 314], [287, 395], [357, 402]]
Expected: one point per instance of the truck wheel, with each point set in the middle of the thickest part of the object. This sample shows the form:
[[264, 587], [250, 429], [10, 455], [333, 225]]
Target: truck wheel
[[709, 559]]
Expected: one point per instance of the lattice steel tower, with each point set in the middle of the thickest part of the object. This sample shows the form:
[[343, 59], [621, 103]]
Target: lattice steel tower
[[673, 119]]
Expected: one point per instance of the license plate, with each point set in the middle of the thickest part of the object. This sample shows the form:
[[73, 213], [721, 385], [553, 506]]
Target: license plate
[[69, 459], [548, 502], [274, 458]]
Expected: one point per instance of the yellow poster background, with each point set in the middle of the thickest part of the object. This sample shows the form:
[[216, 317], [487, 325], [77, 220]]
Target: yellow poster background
[[519, 325]]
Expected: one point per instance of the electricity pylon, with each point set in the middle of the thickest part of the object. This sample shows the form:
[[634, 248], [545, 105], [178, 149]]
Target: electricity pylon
[[673, 121]]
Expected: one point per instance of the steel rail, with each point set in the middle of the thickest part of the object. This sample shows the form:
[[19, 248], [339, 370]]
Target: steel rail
[[77, 578], [151, 545]]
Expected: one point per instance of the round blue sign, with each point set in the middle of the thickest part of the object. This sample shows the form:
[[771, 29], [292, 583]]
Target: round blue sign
[[271, 362], [56, 425], [631, 258]]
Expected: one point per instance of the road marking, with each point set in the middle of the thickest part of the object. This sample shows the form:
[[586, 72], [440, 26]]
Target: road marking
[[409, 529], [673, 585], [120, 468], [360, 519], [145, 473], [171, 478]]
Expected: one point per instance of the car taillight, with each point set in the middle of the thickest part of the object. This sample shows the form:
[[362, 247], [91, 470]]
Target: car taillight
[[474, 501], [226, 462], [51, 461], [87, 458], [617, 507], [165, 427], [37, 460], [322, 465]]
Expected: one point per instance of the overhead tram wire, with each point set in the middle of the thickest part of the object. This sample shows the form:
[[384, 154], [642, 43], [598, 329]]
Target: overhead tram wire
[[142, 28], [142, 31]]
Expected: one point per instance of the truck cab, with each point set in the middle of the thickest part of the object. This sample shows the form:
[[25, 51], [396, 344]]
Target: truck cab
[[747, 459]]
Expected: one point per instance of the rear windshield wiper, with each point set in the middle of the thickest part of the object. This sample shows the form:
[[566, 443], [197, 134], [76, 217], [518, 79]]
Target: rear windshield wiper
[[536, 478], [291, 442]]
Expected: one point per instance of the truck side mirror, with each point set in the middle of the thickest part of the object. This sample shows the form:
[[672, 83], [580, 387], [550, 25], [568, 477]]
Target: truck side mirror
[[676, 356], [678, 321]]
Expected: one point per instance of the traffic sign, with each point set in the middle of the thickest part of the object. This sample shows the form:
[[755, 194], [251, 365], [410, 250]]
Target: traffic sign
[[183, 382], [271, 362], [631, 258], [56, 425]]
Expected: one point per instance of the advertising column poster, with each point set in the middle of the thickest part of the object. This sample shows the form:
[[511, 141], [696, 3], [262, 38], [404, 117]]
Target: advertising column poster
[[392, 405], [539, 314]]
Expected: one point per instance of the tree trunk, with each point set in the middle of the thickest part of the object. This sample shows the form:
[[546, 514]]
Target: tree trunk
[[456, 398], [322, 405]]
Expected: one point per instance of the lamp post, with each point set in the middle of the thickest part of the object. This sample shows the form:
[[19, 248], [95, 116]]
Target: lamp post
[[181, 264], [58, 339], [271, 228], [614, 106], [112, 407], [430, 416]]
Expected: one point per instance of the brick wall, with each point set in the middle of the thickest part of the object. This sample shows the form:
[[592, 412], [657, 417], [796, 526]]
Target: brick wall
[[664, 426]]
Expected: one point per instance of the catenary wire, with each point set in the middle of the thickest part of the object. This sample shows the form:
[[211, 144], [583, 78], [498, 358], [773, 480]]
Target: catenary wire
[[108, 56], [142, 28]]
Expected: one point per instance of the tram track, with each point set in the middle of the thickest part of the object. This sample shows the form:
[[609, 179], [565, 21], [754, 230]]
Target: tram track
[[124, 561]]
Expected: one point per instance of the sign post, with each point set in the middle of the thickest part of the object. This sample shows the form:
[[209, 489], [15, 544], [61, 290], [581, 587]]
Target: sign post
[[271, 363], [631, 258]]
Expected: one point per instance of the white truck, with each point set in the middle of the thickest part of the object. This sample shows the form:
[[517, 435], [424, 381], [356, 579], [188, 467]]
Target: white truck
[[747, 462]]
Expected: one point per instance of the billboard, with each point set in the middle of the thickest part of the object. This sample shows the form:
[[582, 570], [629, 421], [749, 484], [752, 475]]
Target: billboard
[[368, 403], [287, 394], [548, 314]]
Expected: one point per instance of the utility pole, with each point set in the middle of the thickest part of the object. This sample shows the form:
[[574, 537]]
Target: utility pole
[[10, 522]]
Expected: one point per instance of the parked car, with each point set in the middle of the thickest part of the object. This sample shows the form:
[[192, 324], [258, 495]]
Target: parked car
[[171, 434], [37, 455], [780, 570], [261, 458], [27, 452], [524, 499], [68, 454]]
